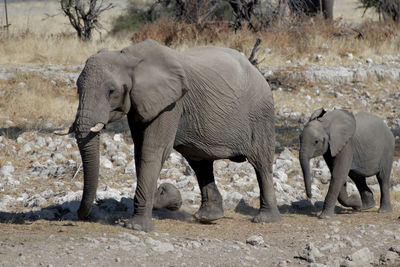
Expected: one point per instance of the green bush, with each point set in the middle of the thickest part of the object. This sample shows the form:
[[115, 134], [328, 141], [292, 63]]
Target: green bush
[[134, 18], [138, 15]]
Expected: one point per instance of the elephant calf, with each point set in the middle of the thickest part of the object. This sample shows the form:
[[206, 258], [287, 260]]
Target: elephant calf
[[356, 146]]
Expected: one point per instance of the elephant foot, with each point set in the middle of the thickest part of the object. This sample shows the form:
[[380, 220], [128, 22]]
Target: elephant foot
[[326, 215], [83, 213], [385, 208], [267, 216], [209, 212], [211, 208], [140, 223], [368, 202]]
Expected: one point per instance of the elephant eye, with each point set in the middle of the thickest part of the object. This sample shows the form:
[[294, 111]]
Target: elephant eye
[[316, 141], [110, 92]]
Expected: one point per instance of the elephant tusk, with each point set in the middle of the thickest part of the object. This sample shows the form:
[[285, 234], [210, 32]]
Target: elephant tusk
[[97, 128], [64, 131]]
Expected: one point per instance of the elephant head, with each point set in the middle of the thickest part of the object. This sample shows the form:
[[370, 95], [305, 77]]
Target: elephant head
[[142, 80], [167, 196], [324, 133]]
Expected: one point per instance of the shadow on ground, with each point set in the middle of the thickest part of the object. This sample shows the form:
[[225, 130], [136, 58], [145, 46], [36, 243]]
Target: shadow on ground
[[113, 212]]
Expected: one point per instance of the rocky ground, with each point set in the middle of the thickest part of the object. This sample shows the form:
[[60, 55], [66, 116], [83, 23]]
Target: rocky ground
[[41, 186]]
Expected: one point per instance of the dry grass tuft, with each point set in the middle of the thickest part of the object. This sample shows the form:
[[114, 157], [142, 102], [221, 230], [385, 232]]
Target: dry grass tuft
[[31, 100]]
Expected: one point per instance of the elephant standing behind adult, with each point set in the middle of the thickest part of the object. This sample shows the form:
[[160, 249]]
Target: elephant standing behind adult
[[208, 103]]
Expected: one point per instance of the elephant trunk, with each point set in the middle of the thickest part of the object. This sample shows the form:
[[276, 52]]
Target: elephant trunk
[[89, 149], [305, 167]]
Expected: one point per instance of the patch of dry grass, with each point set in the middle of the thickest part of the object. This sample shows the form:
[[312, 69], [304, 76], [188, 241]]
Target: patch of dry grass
[[62, 48], [298, 39], [30, 99]]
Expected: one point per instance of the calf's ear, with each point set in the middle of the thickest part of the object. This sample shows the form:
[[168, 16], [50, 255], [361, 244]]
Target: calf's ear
[[341, 127], [318, 113]]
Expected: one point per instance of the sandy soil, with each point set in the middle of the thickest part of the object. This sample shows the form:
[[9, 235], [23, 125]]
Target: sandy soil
[[52, 243]]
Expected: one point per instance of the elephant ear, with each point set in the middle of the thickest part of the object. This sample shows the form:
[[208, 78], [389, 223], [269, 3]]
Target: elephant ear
[[159, 79], [342, 126], [318, 113]]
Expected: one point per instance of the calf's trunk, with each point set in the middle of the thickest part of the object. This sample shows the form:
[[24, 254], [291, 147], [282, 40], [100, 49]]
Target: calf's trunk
[[305, 167]]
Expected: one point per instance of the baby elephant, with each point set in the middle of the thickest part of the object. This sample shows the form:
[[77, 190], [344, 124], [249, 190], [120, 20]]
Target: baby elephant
[[167, 196], [357, 146]]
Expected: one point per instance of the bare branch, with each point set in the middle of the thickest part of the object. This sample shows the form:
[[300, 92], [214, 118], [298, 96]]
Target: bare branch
[[252, 58]]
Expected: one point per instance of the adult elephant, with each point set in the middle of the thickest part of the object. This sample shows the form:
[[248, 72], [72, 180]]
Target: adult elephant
[[356, 146], [207, 102], [312, 7]]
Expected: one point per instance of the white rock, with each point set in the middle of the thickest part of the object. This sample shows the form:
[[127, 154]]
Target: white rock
[[220, 164], [175, 158], [40, 141], [26, 148], [118, 138], [233, 197], [20, 140], [130, 237], [310, 253], [35, 201], [119, 158], [158, 246], [362, 257], [282, 164], [255, 240], [280, 175], [389, 257], [7, 169], [58, 157], [105, 162], [287, 155], [12, 182]]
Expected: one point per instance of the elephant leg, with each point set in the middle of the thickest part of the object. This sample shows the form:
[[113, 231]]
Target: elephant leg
[[384, 183], [367, 197], [211, 200], [353, 201], [153, 144], [268, 211], [341, 167]]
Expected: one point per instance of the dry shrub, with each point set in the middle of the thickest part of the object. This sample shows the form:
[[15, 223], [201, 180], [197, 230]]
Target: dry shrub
[[31, 97]]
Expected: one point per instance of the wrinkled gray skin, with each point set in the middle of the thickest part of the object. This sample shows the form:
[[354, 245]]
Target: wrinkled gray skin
[[356, 146], [207, 102]]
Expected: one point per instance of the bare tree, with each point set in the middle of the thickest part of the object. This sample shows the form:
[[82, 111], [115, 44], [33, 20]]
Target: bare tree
[[385, 8], [84, 14], [243, 11], [197, 12]]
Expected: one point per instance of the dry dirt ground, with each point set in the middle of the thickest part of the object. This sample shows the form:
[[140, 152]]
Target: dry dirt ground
[[180, 242]]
